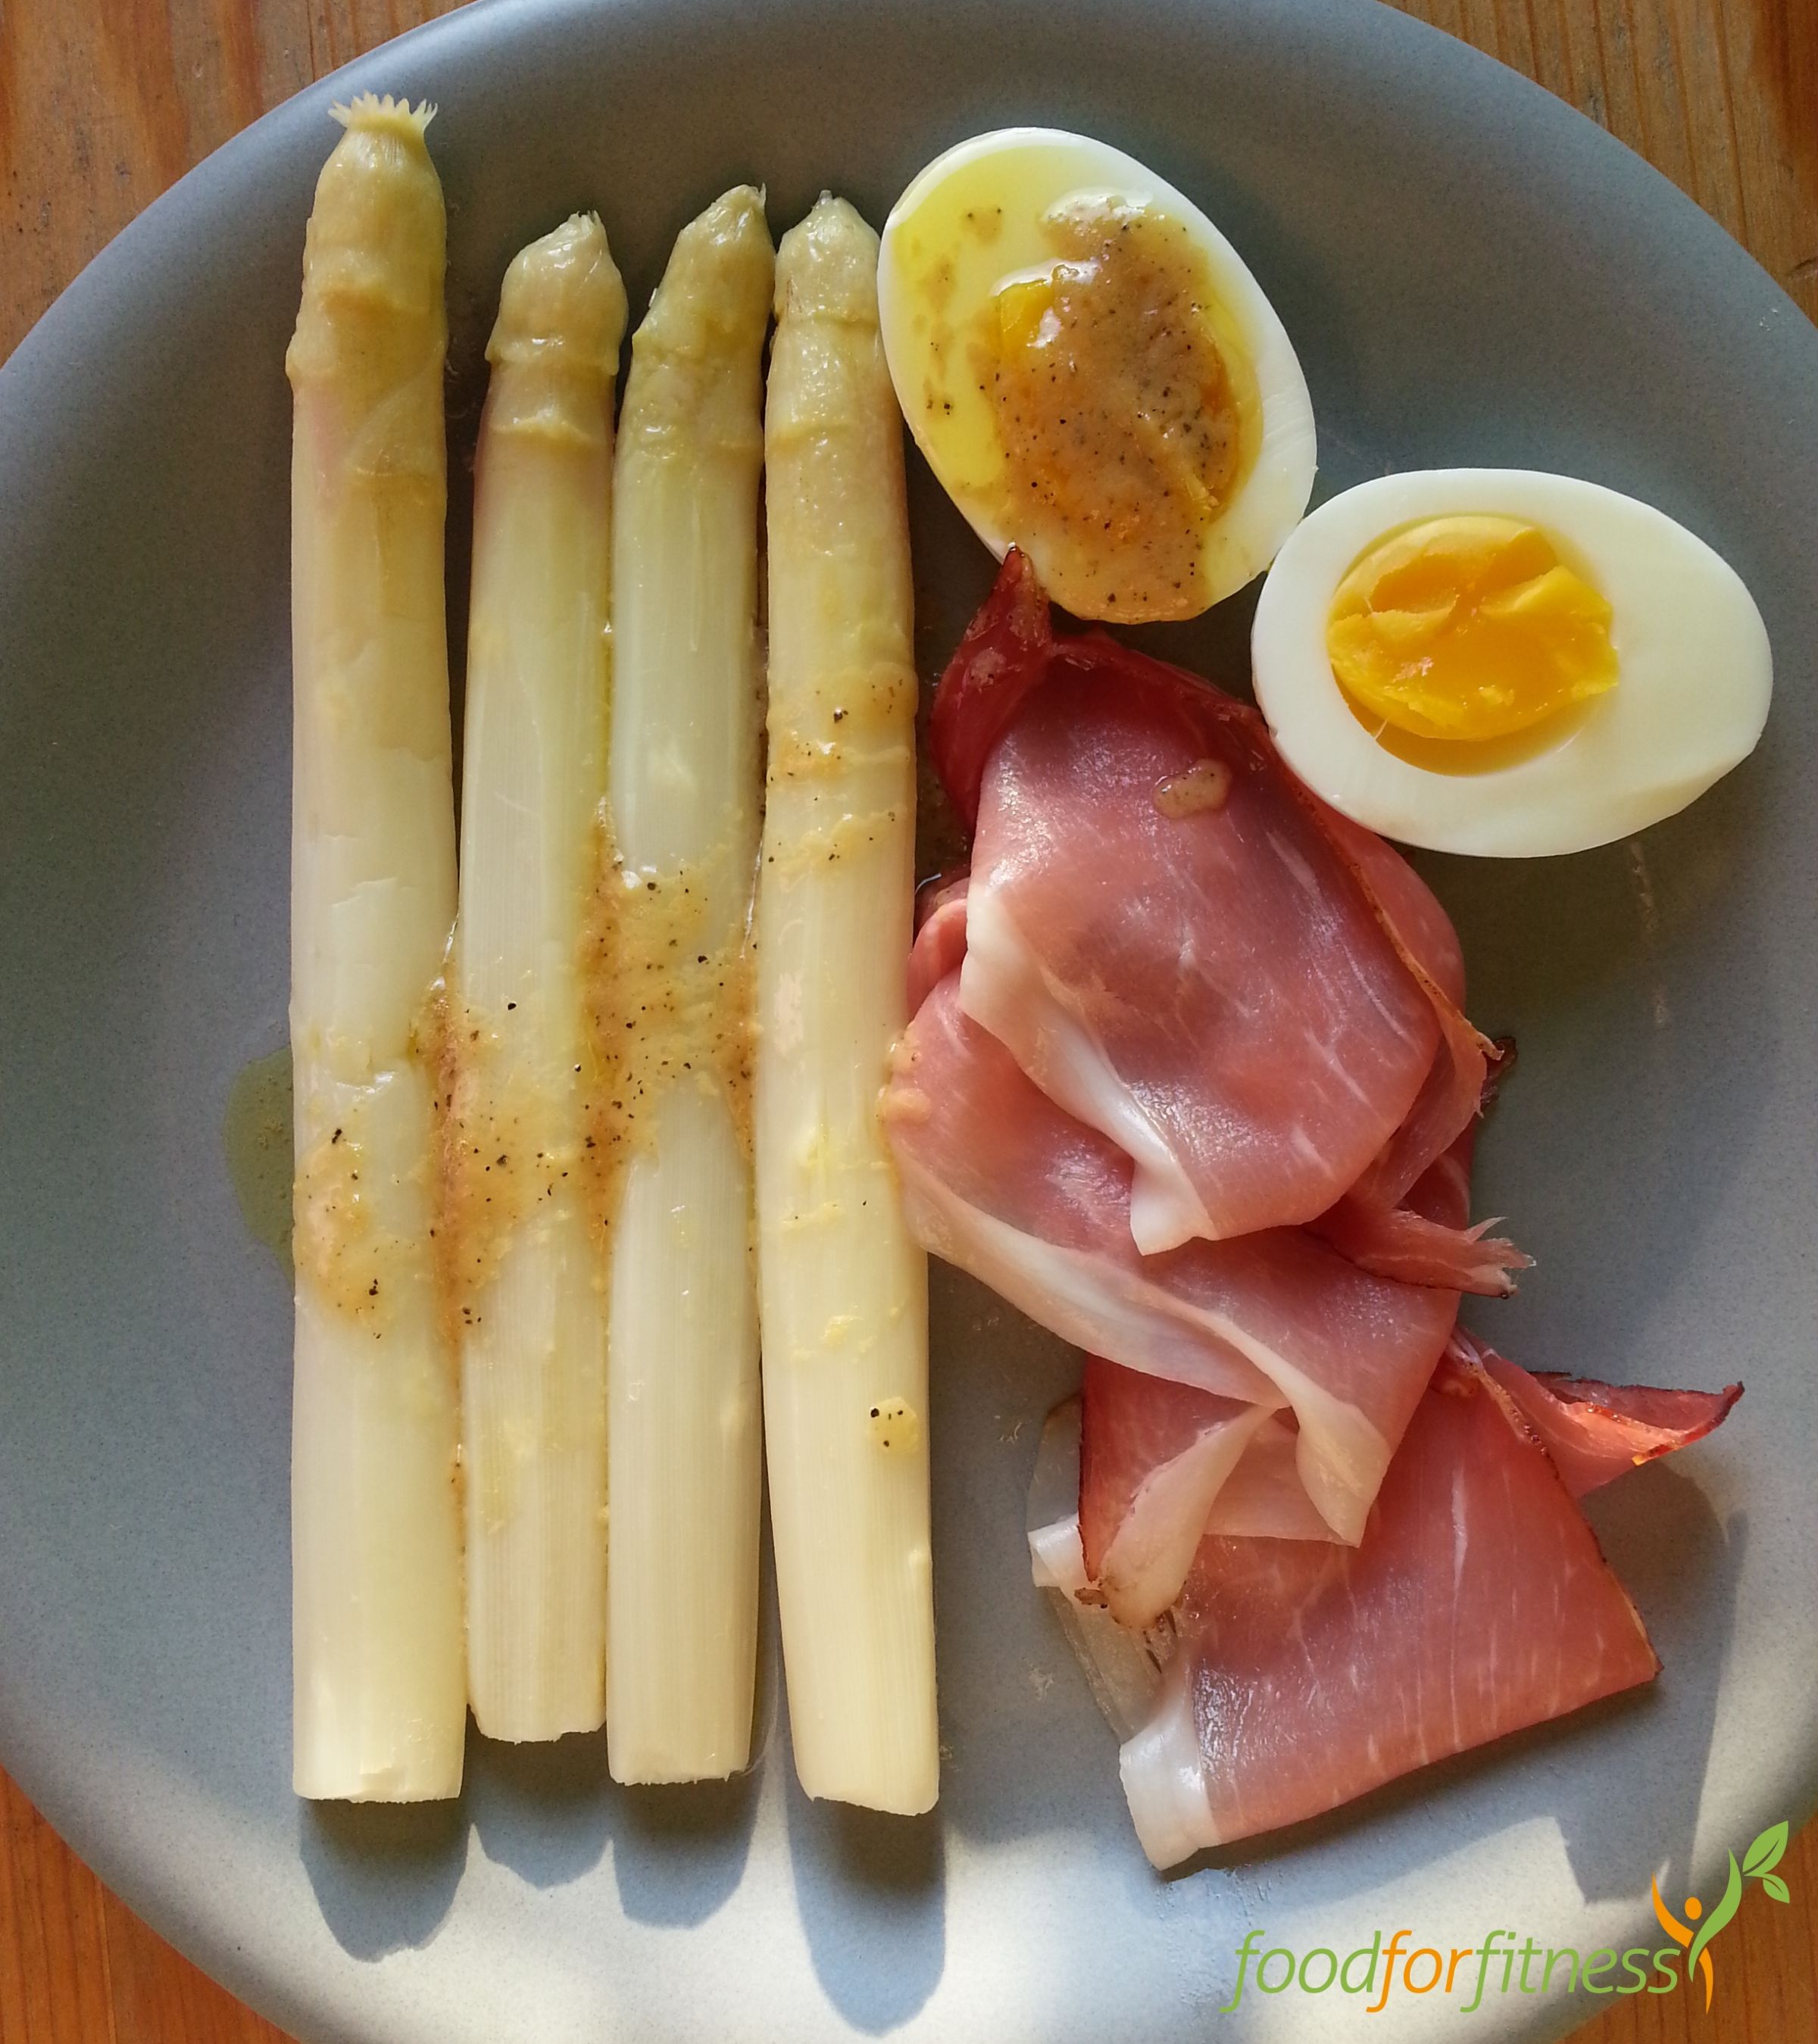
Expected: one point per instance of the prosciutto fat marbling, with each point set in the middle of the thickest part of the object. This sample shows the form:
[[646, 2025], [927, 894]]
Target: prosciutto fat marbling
[[1255, 1001]]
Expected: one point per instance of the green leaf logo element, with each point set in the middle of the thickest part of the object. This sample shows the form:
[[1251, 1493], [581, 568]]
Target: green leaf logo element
[[1763, 1856], [1719, 1916], [1775, 1887]]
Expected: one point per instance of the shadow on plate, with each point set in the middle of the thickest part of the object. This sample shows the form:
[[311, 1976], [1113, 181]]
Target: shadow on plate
[[1682, 1566], [384, 1873], [1624, 1124], [545, 1810], [680, 1852], [872, 1893]]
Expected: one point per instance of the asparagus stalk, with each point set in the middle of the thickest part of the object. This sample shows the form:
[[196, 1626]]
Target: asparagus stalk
[[523, 1252], [683, 1368], [844, 1287], [380, 1697]]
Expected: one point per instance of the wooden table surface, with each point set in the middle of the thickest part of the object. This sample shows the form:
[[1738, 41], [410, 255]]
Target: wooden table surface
[[105, 102]]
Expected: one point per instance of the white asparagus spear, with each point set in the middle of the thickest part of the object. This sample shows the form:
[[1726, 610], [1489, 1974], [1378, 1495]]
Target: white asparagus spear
[[843, 1288], [380, 1706], [682, 1370], [524, 1252]]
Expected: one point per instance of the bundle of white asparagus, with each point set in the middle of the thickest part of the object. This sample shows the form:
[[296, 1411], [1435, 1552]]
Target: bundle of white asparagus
[[526, 1250]]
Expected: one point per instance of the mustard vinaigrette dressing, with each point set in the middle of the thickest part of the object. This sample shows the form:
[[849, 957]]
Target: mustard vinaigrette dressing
[[1124, 422], [256, 1141], [1093, 374]]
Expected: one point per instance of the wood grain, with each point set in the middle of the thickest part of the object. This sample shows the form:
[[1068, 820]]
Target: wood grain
[[102, 106]]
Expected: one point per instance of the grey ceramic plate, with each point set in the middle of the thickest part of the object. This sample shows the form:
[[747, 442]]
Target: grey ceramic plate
[[1472, 274]]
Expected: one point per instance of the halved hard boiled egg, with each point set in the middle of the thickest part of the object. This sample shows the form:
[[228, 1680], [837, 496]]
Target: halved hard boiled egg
[[1502, 662], [1092, 373]]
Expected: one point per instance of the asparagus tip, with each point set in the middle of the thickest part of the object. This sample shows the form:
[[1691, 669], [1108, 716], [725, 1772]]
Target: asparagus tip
[[367, 111]]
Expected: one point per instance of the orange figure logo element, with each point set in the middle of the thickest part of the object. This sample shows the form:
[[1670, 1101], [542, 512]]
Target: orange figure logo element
[[1758, 1864], [1681, 1934]]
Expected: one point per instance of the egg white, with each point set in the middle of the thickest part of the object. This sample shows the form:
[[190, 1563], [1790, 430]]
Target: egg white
[[1694, 672], [1044, 166]]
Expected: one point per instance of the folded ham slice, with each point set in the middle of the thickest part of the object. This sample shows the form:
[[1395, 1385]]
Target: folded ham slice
[[940, 935], [1161, 1465], [1308, 1673], [1152, 1464], [1256, 1001], [1156, 1467], [1151, 1456], [1596, 1431], [998, 1179]]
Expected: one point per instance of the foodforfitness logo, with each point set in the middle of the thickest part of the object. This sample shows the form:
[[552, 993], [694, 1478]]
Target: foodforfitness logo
[[1641, 1970]]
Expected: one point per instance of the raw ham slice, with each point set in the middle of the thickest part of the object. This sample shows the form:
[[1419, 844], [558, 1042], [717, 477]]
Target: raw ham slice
[[999, 1179], [1425, 1240], [1154, 1457], [1158, 1465], [1309, 1673], [1595, 1432], [940, 935], [1464, 1070], [1255, 1001], [1002, 656], [1163, 1464], [1406, 1243]]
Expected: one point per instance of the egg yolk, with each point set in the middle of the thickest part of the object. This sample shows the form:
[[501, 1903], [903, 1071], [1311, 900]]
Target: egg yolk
[[1468, 628], [1122, 426]]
